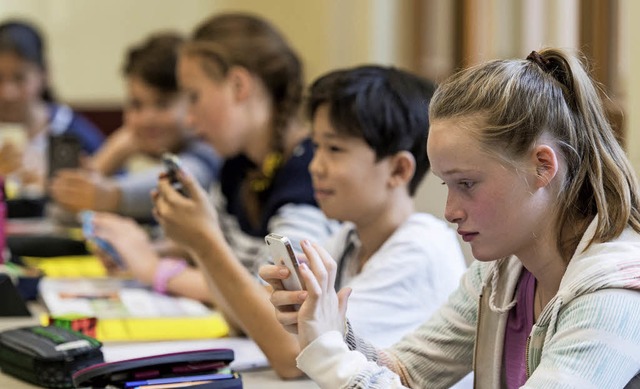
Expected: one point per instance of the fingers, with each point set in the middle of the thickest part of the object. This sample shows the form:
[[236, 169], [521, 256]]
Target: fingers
[[168, 194], [329, 264], [284, 300], [274, 275], [321, 264], [343, 299], [287, 319]]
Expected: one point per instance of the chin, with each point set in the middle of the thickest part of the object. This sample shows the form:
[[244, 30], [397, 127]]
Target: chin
[[483, 256]]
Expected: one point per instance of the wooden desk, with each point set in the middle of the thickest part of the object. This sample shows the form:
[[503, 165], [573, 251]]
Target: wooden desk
[[264, 378]]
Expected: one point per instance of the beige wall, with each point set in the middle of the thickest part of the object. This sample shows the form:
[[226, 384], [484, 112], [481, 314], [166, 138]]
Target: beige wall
[[87, 38]]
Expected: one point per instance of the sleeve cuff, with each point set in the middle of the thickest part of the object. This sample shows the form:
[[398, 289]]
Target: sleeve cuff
[[329, 362]]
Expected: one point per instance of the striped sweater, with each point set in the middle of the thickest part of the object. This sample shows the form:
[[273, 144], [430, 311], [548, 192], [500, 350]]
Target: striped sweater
[[588, 335]]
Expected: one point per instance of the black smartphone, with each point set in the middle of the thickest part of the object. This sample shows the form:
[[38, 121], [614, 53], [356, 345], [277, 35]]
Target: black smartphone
[[64, 153], [173, 166]]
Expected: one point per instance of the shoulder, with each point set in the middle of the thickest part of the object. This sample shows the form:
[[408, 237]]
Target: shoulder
[[292, 182], [64, 120], [428, 238]]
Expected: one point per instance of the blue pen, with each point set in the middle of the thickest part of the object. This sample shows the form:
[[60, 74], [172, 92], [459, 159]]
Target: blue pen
[[173, 380]]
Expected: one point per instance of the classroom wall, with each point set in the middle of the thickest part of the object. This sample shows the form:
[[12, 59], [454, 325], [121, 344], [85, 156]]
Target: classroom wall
[[87, 38]]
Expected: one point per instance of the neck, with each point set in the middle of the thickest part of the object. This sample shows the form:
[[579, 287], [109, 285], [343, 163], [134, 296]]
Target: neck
[[262, 144], [37, 119], [546, 264], [374, 229]]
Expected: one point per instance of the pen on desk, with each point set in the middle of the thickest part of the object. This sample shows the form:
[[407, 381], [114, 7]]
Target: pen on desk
[[176, 385], [171, 380]]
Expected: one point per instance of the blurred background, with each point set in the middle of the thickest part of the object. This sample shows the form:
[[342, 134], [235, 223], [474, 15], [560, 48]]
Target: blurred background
[[86, 41]]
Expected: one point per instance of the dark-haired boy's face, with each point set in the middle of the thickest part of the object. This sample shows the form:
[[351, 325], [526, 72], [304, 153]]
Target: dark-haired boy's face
[[349, 184]]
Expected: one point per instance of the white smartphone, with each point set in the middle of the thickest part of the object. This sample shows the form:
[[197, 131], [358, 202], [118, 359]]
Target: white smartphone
[[282, 254]]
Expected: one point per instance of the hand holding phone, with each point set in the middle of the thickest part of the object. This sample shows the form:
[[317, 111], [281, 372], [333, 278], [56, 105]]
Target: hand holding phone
[[282, 254], [173, 165], [64, 152], [89, 235]]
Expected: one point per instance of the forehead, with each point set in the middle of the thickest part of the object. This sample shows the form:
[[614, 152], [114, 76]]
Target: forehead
[[322, 126], [452, 145], [13, 60]]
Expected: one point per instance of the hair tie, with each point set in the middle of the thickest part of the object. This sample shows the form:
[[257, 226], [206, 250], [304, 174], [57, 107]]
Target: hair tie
[[539, 60]]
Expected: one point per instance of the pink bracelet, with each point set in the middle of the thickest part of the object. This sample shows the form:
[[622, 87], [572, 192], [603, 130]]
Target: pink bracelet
[[166, 270]]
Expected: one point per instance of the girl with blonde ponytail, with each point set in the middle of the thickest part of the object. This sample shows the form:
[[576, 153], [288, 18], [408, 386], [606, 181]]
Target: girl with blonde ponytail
[[547, 199]]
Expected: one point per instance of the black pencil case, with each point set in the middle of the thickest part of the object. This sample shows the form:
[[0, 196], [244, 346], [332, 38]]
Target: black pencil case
[[201, 369], [47, 356]]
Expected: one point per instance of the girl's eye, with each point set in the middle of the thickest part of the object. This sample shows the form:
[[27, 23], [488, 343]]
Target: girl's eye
[[466, 184], [335, 149]]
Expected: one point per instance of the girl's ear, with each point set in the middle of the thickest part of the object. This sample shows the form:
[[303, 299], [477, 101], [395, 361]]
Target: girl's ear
[[546, 163], [403, 167], [241, 82]]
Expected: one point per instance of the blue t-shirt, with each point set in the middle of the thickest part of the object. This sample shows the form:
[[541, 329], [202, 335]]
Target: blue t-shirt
[[63, 120]]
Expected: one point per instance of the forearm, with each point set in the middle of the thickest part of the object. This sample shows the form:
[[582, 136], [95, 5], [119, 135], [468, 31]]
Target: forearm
[[191, 283], [246, 301], [109, 158]]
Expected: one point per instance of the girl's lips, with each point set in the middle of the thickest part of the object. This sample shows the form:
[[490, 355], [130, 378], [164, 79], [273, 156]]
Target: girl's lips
[[467, 236]]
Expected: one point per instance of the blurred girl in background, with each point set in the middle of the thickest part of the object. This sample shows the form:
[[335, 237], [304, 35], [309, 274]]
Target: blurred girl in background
[[29, 113], [244, 83], [122, 173]]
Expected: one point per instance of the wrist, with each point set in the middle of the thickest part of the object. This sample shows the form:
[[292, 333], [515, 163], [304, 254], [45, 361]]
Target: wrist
[[167, 269]]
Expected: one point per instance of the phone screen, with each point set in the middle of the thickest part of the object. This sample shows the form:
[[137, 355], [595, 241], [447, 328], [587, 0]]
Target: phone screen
[[64, 153], [172, 165]]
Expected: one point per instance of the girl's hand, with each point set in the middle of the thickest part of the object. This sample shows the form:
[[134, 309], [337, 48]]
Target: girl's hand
[[189, 221], [322, 310], [282, 299], [77, 189], [130, 241], [10, 159]]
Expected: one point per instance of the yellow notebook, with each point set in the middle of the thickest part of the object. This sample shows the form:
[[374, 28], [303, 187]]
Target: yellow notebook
[[127, 311], [68, 266]]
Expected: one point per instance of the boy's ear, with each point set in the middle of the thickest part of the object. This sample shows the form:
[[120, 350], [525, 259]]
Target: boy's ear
[[241, 82], [546, 164], [403, 167]]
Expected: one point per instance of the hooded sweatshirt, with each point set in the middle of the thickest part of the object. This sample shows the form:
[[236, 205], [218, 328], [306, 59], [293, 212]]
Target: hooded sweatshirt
[[587, 336]]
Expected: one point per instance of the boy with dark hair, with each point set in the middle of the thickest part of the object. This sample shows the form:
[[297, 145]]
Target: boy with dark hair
[[370, 127]]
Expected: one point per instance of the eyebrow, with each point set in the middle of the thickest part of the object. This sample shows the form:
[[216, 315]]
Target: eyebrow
[[453, 171]]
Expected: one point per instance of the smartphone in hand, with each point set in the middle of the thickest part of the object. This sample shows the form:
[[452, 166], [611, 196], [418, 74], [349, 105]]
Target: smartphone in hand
[[282, 254], [86, 218], [173, 165], [64, 152]]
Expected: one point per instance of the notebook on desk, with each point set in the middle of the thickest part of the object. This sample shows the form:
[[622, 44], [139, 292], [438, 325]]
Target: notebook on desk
[[127, 311]]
